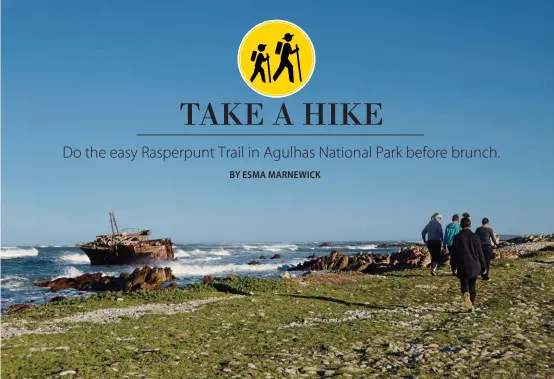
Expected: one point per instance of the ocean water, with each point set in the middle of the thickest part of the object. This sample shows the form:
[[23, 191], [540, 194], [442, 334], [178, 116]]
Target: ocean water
[[22, 266]]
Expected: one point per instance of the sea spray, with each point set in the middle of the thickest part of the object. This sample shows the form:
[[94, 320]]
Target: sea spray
[[8, 252], [75, 258]]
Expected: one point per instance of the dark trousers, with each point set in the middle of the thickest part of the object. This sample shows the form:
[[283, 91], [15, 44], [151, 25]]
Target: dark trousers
[[487, 252], [435, 250], [468, 285]]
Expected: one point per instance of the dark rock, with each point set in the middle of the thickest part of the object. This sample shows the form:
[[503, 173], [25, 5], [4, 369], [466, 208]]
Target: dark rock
[[262, 257], [276, 256], [410, 257], [407, 257], [334, 261], [208, 279], [14, 309], [532, 238], [326, 244], [313, 256], [57, 299], [145, 278], [81, 283], [172, 285], [254, 263], [233, 277]]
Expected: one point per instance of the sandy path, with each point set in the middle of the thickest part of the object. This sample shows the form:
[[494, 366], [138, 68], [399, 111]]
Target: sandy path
[[103, 316]]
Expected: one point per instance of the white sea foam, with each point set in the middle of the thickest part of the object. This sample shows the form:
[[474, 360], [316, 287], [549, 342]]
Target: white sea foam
[[75, 258], [9, 252], [184, 270], [361, 247], [43, 246], [180, 253], [218, 252], [203, 259], [273, 248], [57, 246], [70, 272], [13, 282]]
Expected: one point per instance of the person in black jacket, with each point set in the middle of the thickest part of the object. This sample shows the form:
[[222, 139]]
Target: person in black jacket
[[486, 235], [468, 261]]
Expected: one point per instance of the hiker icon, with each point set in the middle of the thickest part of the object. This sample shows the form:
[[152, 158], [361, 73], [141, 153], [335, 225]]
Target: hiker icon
[[258, 57], [270, 45], [285, 50]]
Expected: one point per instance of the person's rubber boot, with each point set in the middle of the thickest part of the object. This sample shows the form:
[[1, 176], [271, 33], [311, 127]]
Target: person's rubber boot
[[467, 302]]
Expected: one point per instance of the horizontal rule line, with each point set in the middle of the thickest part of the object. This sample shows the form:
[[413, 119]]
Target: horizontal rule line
[[278, 135]]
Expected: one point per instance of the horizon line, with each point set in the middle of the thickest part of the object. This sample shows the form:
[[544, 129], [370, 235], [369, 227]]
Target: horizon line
[[280, 135]]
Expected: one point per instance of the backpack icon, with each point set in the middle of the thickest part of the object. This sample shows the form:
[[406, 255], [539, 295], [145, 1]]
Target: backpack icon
[[279, 47]]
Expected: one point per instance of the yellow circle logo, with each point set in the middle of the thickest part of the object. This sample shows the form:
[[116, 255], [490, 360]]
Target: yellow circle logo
[[276, 58]]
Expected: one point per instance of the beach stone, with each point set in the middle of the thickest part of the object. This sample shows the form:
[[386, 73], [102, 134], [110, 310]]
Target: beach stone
[[349, 369], [276, 256], [67, 372], [252, 263]]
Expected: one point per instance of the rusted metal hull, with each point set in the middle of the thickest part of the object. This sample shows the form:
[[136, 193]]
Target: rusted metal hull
[[144, 252]]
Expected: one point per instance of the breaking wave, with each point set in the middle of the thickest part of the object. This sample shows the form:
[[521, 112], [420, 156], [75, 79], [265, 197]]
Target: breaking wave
[[75, 258], [183, 270], [180, 253], [218, 252], [70, 272], [274, 248], [7, 252], [12, 282], [361, 247], [203, 259]]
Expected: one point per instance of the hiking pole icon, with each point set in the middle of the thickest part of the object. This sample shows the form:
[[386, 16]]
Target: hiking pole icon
[[268, 69], [298, 60]]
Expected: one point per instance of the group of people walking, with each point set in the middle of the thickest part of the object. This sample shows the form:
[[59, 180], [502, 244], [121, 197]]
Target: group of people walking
[[470, 253]]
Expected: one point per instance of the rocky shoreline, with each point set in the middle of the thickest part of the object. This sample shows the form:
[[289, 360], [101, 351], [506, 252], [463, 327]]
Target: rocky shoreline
[[408, 256], [345, 323], [411, 256]]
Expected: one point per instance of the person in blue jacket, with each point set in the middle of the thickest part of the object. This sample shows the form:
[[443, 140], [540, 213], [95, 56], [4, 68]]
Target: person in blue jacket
[[450, 232], [432, 236]]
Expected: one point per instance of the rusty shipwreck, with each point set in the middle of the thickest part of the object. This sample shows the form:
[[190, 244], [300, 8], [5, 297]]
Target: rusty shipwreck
[[126, 247]]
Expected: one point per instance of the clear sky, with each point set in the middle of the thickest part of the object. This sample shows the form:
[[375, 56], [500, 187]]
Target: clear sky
[[95, 73]]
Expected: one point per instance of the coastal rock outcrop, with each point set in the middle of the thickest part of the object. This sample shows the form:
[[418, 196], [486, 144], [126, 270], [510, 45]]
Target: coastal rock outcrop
[[145, 278], [532, 238], [412, 256], [362, 262], [276, 256]]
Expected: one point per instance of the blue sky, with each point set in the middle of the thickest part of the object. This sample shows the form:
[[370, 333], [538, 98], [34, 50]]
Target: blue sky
[[95, 73]]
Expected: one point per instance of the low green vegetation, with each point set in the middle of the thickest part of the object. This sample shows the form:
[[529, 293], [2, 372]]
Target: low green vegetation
[[401, 324]]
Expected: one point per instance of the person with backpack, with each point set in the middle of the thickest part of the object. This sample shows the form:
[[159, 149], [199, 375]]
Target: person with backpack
[[432, 236], [486, 235], [468, 262], [450, 232], [285, 50], [259, 58]]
